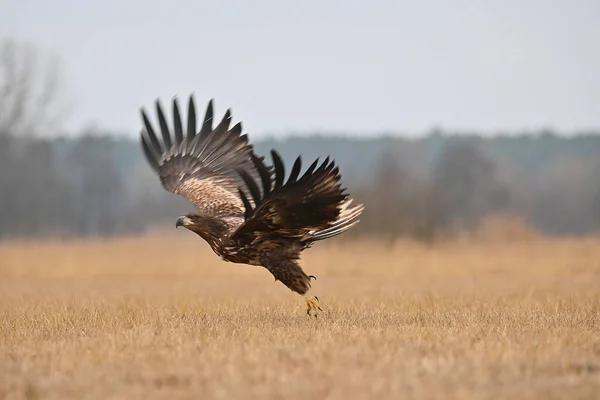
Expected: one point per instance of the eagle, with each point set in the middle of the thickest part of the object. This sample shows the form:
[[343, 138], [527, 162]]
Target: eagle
[[247, 211]]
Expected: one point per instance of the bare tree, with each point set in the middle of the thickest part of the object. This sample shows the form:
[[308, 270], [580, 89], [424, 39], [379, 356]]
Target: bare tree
[[31, 90], [30, 190]]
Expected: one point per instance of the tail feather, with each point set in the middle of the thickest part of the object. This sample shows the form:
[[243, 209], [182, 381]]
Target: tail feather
[[347, 218]]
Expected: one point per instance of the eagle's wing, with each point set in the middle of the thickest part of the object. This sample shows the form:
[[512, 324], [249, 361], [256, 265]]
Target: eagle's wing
[[200, 166], [281, 218], [302, 210]]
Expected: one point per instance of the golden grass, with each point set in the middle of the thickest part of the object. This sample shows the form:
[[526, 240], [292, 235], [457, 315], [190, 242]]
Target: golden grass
[[163, 317]]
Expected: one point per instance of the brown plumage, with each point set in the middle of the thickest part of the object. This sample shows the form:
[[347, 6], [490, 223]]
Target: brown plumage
[[244, 209], [201, 165], [286, 218]]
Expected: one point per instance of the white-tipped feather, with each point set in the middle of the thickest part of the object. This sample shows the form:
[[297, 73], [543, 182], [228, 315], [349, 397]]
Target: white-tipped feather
[[347, 218]]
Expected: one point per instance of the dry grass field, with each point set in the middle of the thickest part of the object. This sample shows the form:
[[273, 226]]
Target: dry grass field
[[164, 318]]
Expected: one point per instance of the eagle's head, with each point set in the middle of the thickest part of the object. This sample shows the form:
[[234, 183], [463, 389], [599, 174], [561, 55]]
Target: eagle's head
[[195, 223], [188, 221], [204, 226]]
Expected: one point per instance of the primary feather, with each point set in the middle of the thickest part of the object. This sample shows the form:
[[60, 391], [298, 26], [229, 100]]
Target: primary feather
[[200, 166]]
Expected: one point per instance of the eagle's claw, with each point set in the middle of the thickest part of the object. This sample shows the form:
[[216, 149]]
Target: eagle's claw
[[313, 305]]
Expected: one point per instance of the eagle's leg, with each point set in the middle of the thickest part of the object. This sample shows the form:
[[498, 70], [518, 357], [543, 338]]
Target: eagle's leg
[[312, 304], [288, 271]]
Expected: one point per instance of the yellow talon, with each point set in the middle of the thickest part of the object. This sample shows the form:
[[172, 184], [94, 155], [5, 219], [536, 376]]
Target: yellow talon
[[313, 305]]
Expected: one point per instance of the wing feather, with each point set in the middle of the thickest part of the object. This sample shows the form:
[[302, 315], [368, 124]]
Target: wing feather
[[177, 126], [265, 176], [252, 186], [224, 124], [191, 124], [279, 169], [298, 209], [200, 166], [151, 136], [164, 129], [151, 156], [208, 119], [295, 170]]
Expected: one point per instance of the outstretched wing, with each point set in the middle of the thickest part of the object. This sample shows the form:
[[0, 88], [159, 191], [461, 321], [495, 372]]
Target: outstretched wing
[[312, 207], [200, 166]]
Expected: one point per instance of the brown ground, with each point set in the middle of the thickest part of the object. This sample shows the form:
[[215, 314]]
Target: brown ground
[[163, 317]]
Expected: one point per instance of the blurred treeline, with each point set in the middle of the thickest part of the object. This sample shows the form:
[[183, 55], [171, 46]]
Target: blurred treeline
[[442, 184], [437, 185]]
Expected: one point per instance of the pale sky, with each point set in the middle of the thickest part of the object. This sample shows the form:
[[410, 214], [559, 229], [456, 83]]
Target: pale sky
[[331, 65]]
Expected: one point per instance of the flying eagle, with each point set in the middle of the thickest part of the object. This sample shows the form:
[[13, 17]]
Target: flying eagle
[[245, 210]]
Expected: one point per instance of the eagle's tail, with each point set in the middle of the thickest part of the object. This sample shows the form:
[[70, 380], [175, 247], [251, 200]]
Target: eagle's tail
[[347, 218]]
